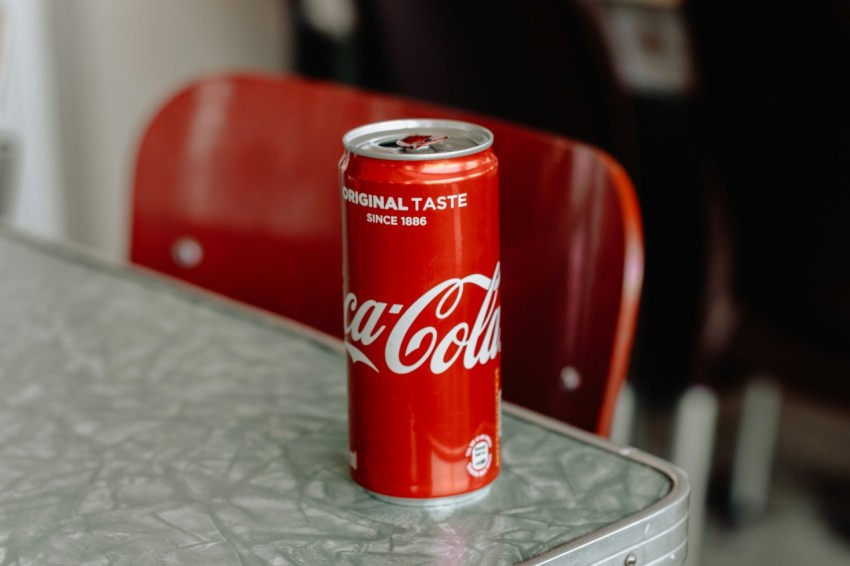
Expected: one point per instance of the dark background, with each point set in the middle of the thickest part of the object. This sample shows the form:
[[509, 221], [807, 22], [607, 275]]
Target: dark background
[[742, 178]]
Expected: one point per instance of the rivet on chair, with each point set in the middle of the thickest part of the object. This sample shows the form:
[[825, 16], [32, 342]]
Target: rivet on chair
[[570, 379], [187, 252]]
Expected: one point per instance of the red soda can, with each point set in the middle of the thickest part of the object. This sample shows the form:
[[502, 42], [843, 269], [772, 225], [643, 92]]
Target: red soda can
[[422, 307]]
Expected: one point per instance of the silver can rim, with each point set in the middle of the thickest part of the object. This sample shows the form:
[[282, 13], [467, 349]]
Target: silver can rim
[[449, 500], [354, 138]]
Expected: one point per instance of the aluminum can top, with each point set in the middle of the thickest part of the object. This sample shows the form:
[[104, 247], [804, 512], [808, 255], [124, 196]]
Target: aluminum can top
[[418, 139]]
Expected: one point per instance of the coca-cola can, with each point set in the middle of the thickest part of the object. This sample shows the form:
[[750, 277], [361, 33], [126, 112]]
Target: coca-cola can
[[420, 209]]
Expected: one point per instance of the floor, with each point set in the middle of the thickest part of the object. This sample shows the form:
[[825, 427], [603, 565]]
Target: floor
[[807, 521]]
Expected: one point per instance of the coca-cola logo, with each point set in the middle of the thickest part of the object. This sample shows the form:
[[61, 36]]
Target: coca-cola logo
[[412, 338]]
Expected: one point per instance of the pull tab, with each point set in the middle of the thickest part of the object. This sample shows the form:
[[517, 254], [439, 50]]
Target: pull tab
[[418, 142]]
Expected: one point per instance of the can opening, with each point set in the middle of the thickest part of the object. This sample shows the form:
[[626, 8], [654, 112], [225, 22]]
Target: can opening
[[415, 142], [417, 139]]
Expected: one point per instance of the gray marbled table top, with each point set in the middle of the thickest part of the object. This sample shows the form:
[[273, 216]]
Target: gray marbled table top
[[141, 423]]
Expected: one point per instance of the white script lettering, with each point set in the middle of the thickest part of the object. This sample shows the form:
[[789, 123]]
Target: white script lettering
[[411, 342]]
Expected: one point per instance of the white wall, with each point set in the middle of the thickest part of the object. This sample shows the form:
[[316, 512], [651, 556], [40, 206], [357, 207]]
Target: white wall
[[115, 62], [29, 120]]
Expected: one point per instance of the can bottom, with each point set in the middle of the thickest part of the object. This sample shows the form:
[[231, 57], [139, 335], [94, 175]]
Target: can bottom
[[434, 501]]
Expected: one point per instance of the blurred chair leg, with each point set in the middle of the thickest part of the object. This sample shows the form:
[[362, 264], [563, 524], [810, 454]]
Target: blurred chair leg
[[756, 441], [694, 425], [622, 427]]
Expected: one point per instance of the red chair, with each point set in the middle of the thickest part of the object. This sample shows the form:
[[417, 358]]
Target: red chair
[[236, 190]]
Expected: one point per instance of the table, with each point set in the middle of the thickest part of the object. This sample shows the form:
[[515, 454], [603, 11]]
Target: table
[[146, 422]]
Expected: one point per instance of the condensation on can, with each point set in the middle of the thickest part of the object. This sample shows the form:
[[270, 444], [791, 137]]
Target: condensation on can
[[422, 308]]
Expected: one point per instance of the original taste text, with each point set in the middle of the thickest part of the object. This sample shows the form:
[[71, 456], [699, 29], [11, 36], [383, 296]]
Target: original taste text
[[402, 204]]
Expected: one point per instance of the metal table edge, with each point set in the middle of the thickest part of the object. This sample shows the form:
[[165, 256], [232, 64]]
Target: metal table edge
[[629, 531]]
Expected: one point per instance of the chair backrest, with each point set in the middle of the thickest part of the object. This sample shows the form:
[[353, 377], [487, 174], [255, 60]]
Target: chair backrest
[[236, 190]]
